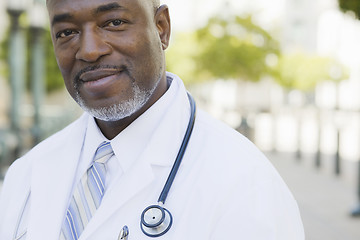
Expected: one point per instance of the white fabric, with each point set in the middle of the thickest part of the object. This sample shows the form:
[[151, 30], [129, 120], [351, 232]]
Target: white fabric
[[225, 187]]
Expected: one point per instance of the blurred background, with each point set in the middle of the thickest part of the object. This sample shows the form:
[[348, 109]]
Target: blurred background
[[285, 73]]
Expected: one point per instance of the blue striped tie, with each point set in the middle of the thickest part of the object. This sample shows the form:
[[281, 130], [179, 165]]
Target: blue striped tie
[[87, 195]]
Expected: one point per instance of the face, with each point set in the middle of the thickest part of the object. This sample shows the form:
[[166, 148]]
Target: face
[[110, 53]]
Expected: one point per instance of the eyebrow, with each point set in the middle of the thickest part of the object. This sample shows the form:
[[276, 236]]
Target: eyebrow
[[100, 9], [108, 7], [60, 18]]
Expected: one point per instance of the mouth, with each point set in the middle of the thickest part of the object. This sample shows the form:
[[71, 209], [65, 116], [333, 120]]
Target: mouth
[[100, 81], [98, 75]]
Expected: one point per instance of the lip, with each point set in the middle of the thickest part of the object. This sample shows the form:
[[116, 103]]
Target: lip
[[100, 82], [98, 74]]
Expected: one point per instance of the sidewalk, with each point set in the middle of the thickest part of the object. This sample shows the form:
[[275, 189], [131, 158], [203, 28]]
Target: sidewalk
[[325, 200]]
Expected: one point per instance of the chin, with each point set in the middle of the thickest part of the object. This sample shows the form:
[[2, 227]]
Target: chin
[[118, 111]]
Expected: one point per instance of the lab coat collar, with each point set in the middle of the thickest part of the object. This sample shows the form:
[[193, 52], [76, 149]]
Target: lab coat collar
[[52, 180], [157, 130], [165, 143]]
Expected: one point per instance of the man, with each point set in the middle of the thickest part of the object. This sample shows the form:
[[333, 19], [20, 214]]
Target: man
[[111, 55]]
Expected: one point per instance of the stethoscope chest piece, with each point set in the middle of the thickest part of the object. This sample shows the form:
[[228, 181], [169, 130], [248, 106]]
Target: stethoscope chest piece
[[155, 221]]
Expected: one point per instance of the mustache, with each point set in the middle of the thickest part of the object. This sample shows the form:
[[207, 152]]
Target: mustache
[[92, 68]]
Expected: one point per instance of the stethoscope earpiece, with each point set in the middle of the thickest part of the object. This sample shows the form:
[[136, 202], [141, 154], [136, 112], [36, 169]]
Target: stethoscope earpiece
[[155, 221]]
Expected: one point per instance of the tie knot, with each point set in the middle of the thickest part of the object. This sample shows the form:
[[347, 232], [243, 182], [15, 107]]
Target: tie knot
[[103, 152]]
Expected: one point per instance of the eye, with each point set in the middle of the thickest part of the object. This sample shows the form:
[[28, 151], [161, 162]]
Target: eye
[[65, 33], [115, 23]]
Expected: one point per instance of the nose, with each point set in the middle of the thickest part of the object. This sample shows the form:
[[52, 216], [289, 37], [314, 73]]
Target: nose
[[93, 46]]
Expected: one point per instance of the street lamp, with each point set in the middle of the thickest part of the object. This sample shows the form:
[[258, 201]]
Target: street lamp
[[38, 20], [17, 5], [37, 14], [17, 66]]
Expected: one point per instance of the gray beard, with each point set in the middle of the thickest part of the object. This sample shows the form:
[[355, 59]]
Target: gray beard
[[121, 110]]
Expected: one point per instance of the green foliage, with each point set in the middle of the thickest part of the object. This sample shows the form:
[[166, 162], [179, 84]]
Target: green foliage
[[54, 79], [53, 76], [303, 72], [180, 57], [350, 5], [4, 55], [234, 48], [238, 49]]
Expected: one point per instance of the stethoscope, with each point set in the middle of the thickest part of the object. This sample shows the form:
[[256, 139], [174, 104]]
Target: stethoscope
[[156, 220]]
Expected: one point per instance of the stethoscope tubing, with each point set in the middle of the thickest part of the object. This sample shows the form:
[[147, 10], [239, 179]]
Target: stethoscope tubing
[[181, 152]]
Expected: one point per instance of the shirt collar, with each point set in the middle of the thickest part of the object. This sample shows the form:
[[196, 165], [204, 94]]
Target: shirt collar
[[93, 139]]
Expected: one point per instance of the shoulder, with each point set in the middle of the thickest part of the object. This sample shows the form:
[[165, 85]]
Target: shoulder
[[55, 142], [239, 166], [218, 148], [225, 142], [64, 135], [51, 144], [219, 130], [242, 182]]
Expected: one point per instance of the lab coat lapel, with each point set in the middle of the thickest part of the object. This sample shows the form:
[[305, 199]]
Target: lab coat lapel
[[52, 179], [171, 130], [125, 187]]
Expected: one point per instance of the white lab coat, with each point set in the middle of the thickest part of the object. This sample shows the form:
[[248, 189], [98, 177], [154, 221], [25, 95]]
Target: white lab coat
[[225, 187]]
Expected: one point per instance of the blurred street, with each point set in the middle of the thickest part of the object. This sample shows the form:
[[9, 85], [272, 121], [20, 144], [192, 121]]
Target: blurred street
[[325, 201]]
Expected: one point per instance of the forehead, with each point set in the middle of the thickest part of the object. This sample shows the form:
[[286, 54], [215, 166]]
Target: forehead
[[69, 6]]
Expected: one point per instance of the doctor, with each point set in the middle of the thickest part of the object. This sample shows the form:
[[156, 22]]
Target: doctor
[[93, 179]]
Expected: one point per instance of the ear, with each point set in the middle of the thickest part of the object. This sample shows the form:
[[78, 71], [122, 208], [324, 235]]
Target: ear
[[162, 21]]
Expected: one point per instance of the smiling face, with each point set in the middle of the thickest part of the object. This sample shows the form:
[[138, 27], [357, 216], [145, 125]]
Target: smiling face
[[111, 53]]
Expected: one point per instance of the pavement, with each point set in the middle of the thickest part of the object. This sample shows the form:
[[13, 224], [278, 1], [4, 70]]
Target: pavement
[[324, 200]]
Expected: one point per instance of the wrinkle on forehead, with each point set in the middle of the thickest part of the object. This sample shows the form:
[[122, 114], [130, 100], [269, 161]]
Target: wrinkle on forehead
[[155, 3], [56, 7]]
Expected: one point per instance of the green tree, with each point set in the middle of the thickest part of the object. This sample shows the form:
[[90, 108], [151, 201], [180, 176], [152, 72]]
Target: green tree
[[303, 71], [350, 5], [180, 57], [238, 49], [234, 48]]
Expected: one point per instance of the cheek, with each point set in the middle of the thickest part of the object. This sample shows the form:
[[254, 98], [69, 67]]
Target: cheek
[[148, 53], [66, 64], [66, 60], [138, 44]]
